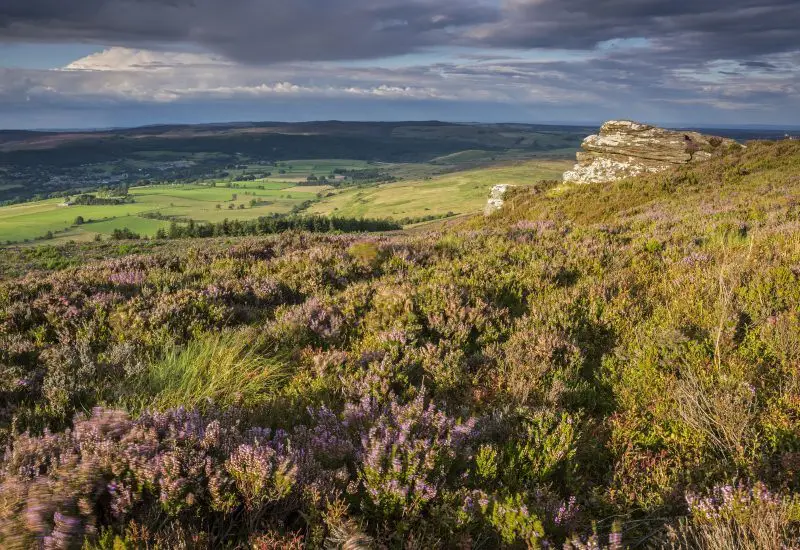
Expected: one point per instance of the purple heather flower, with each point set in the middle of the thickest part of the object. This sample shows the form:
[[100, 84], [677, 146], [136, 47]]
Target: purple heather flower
[[128, 278]]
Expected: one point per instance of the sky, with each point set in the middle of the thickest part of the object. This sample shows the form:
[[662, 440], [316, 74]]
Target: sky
[[109, 63]]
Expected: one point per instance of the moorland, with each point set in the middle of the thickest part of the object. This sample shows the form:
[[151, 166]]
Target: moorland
[[594, 366]]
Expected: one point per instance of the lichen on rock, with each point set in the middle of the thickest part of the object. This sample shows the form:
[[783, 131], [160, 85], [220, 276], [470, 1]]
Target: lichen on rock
[[624, 148]]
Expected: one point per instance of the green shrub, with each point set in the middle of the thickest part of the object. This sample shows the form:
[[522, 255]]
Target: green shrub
[[366, 253]]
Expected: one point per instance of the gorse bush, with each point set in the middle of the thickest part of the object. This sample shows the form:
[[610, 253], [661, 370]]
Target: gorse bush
[[595, 367]]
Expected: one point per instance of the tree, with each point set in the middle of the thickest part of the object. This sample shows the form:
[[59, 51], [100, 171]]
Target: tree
[[79, 220], [124, 233]]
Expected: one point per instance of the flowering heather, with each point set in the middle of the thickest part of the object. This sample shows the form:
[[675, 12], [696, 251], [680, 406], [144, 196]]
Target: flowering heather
[[408, 453], [129, 278], [695, 258], [740, 516], [566, 512], [727, 501], [113, 467], [591, 368]]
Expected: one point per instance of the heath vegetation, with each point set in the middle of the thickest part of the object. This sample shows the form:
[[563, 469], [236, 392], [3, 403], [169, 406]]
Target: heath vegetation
[[605, 366]]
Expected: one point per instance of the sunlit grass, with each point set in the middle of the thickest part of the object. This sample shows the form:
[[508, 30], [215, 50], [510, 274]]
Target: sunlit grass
[[222, 369]]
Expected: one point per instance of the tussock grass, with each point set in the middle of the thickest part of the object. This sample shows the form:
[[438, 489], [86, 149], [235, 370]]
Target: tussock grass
[[224, 369]]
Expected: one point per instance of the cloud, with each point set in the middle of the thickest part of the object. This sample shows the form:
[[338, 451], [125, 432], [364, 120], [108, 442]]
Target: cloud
[[127, 59], [609, 84], [758, 65], [126, 75], [268, 31], [251, 31], [144, 75], [682, 29], [667, 58]]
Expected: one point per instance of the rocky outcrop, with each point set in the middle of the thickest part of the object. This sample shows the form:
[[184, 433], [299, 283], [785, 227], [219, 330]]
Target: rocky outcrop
[[497, 197], [624, 149]]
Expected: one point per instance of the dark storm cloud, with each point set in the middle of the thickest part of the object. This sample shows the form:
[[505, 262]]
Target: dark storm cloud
[[255, 31], [759, 65], [690, 29], [264, 31]]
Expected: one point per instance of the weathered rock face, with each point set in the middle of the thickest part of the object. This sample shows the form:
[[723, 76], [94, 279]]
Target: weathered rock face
[[496, 199], [624, 149]]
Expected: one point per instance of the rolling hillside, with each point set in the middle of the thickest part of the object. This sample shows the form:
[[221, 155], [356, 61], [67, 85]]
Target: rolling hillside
[[599, 366]]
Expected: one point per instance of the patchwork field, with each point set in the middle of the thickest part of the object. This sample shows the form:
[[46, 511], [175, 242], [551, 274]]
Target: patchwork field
[[418, 194], [211, 202]]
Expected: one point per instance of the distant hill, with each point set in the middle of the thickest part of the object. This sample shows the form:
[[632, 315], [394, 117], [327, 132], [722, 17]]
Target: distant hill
[[499, 135], [48, 164]]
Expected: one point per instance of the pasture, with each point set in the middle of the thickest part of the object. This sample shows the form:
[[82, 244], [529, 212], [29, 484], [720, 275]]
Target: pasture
[[295, 171], [154, 207], [202, 203], [459, 192], [210, 201]]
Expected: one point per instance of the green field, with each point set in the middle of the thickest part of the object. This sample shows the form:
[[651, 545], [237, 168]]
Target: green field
[[319, 167], [417, 195], [29, 221], [460, 192], [212, 201], [293, 171]]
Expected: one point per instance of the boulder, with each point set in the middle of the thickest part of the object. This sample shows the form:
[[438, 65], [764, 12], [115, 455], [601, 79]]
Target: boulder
[[624, 148], [496, 198]]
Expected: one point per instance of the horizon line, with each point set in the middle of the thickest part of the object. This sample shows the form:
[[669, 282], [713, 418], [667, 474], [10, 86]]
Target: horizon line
[[573, 124]]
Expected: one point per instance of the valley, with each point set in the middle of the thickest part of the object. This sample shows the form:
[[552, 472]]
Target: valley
[[407, 172]]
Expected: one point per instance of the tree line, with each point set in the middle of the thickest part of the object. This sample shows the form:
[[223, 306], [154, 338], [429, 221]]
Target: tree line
[[268, 225]]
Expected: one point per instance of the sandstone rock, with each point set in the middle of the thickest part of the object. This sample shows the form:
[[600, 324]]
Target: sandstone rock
[[624, 149], [496, 198]]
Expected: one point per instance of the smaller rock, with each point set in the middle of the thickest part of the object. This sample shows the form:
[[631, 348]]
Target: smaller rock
[[496, 198]]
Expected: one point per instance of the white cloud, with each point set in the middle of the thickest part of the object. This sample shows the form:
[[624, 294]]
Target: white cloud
[[127, 59], [162, 77], [605, 83]]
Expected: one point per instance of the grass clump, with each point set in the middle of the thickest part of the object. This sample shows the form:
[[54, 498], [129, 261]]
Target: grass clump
[[224, 369]]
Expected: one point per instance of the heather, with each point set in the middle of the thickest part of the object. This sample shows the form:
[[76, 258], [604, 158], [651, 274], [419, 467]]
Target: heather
[[592, 367]]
